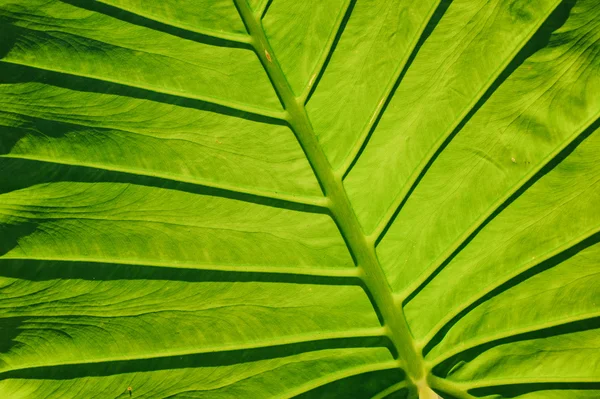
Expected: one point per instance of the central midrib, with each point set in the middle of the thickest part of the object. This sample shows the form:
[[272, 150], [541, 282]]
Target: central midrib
[[362, 248]]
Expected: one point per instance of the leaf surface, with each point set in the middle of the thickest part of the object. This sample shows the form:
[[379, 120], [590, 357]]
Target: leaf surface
[[282, 199]]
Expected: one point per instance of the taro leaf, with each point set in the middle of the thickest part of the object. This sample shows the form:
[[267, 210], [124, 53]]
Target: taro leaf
[[313, 199]]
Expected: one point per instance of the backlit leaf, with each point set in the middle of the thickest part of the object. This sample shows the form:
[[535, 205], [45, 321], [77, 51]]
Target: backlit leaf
[[300, 199]]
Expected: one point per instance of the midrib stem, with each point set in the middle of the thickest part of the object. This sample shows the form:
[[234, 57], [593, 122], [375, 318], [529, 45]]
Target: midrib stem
[[361, 247]]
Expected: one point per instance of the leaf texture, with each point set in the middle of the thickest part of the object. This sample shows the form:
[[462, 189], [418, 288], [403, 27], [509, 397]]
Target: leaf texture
[[319, 199]]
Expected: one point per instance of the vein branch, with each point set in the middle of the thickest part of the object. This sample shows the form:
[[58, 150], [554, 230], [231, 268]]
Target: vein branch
[[328, 50], [513, 335], [196, 185], [235, 106], [229, 36], [349, 275], [137, 361], [449, 387]]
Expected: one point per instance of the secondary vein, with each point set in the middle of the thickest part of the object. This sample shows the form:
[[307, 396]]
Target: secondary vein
[[309, 201], [267, 113], [389, 91], [229, 36], [514, 334], [365, 333]]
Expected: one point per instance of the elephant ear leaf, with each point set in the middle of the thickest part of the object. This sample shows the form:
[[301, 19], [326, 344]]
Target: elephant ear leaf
[[376, 199]]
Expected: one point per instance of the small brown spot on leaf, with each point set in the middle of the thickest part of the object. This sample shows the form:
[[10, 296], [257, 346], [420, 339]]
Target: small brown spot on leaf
[[268, 56]]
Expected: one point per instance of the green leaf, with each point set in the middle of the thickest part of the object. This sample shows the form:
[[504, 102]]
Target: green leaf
[[312, 199]]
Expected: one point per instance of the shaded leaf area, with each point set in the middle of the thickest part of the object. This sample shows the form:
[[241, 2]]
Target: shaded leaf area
[[316, 199]]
